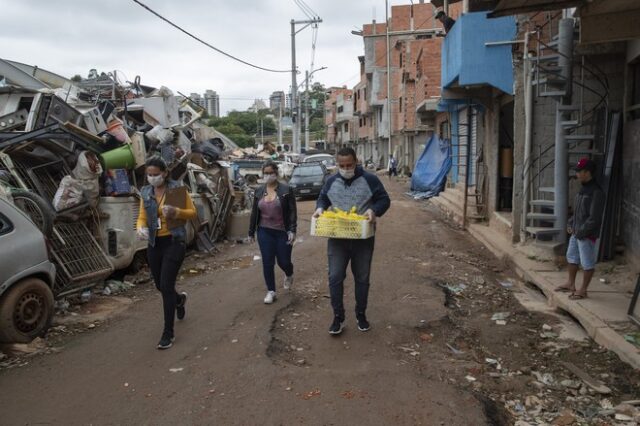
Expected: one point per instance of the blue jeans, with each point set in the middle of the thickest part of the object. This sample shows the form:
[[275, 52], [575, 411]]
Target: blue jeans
[[582, 252], [273, 246], [360, 253]]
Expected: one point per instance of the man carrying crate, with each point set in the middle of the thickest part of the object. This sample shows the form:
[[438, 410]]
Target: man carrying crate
[[351, 187]]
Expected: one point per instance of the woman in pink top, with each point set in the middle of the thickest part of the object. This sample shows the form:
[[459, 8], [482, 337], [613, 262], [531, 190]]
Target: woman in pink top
[[274, 218]]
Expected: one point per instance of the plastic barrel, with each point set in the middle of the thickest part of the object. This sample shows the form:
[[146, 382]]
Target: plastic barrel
[[119, 158]]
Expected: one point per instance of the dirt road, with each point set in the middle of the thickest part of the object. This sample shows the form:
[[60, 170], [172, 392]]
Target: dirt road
[[238, 361]]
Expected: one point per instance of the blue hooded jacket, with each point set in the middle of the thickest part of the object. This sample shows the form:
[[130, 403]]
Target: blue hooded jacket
[[364, 191]]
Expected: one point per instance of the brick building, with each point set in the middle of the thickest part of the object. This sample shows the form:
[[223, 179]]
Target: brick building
[[339, 117], [415, 41]]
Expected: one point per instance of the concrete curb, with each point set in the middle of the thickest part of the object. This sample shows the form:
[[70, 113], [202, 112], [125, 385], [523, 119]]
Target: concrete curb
[[596, 328]]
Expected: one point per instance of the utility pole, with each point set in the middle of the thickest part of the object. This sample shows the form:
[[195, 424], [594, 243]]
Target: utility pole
[[294, 83], [306, 113], [386, 8], [262, 131], [280, 121]]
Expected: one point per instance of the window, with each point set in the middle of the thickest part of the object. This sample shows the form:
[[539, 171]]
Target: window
[[308, 171], [444, 130], [346, 127], [5, 225], [401, 60], [360, 122], [400, 104], [340, 108], [635, 94]]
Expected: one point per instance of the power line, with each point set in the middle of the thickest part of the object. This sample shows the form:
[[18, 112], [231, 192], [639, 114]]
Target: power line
[[204, 42]]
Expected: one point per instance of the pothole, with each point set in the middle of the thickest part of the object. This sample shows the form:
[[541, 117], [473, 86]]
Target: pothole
[[495, 413]]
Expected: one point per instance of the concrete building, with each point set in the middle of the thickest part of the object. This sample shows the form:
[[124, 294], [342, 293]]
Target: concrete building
[[532, 116], [415, 85], [212, 103], [198, 99], [339, 118], [257, 105], [277, 101], [477, 101]]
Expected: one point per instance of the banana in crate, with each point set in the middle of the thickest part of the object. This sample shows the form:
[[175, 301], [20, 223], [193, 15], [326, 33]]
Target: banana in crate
[[338, 223]]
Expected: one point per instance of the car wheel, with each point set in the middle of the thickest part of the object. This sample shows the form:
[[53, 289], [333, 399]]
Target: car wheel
[[26, 311]]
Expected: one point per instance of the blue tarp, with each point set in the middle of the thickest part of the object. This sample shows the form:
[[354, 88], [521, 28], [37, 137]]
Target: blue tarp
[[430, 173]]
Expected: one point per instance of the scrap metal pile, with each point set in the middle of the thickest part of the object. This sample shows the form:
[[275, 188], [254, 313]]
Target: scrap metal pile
[[72, 156]]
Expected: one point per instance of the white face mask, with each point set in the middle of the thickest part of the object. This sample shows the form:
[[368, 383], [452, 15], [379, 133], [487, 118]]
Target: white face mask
[[270, 178], [155, 181], [347, 173]]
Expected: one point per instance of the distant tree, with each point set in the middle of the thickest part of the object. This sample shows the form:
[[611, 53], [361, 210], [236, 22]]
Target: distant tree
[[248, 121], [244, 141], [76, 78]]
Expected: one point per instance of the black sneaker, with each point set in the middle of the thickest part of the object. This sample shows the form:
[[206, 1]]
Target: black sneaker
[[180, 310], [166, 341], [336, 326], [363, 324]]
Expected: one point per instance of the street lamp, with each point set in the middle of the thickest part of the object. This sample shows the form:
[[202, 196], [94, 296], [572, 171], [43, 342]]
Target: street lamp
[[306, 107]]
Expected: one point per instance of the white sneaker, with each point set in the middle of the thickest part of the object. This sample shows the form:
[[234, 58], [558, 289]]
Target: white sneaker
[[270, 297], [288, 282]]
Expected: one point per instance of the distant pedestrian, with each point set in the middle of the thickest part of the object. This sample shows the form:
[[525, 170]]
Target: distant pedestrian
[[447, 21], [274, 218], [584, 228], [167, 246], [352, 186], [393, 166]]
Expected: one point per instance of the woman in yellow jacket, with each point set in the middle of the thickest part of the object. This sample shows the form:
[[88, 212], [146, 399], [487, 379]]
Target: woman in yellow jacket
[[167, 247]]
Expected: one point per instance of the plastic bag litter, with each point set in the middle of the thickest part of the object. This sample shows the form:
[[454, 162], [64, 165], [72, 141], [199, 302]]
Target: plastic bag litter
[[69, 194], [160, 135], [83, 185]]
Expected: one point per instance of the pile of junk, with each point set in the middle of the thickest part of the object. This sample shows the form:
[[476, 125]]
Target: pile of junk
[[72, 156]]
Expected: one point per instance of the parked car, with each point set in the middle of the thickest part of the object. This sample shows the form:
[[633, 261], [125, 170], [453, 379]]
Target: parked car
[[327, 160], [308, 179], [26, 278]]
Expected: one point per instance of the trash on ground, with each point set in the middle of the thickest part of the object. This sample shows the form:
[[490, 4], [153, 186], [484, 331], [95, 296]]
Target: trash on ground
[[500, 316], [594, 384]]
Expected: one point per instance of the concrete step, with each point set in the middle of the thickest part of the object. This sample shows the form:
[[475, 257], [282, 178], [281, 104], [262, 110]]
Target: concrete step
[[549, 189], [541, 230], [552, 246], [574, 138], [541, 216], [553, 93], [568, 108], [542, 203], [549, 58], [570, 123], [550, 69], [584, 152], [556, 81]]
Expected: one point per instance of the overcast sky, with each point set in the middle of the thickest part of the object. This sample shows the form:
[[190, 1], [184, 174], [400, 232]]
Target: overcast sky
[[72, 36]]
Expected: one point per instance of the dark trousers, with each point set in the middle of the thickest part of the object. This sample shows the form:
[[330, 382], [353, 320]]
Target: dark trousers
[[393, 171], [274, 247], [340, 253], [165, 260]]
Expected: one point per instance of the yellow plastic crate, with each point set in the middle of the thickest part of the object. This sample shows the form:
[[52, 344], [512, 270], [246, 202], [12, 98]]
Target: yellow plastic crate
[[341, 228]]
